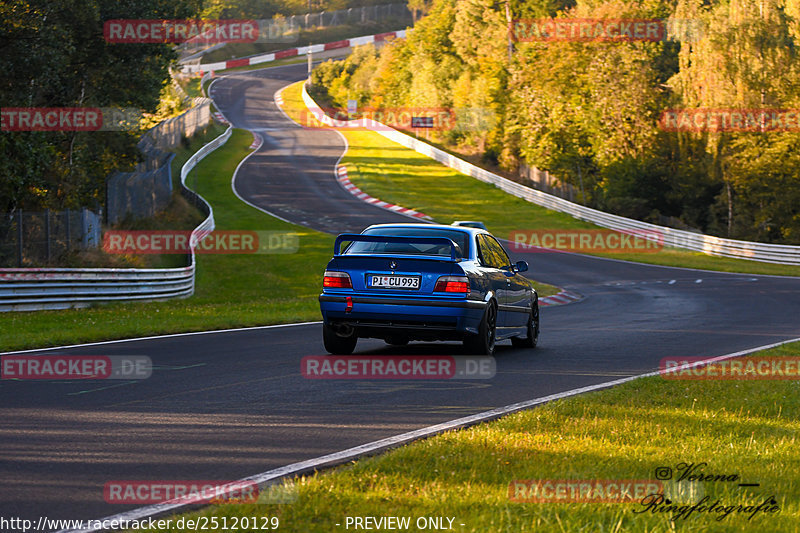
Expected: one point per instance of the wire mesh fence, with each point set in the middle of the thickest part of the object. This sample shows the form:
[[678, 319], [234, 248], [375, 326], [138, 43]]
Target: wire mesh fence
[[37, 238], [353, 15], [148, 189], [170, 133]]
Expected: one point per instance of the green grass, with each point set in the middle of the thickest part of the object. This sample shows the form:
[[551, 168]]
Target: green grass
[[399, 175], [231, 290], [747, 428], [179, 215], [191, 86]]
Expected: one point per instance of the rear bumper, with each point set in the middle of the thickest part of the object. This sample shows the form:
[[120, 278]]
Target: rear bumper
[[414, 318]]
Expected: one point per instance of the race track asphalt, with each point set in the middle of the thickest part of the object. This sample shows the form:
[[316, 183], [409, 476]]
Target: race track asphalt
[[224, 405]]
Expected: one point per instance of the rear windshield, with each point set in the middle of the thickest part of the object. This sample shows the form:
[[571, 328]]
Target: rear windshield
[[459, 237]]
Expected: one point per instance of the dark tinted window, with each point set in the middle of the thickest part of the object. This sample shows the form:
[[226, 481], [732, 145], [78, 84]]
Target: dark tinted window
[[498, 252], [458, 237], [485, 254], [491, 253]]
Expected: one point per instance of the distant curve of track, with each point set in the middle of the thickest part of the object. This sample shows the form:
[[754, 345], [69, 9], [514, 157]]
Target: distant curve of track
[[230, 404]]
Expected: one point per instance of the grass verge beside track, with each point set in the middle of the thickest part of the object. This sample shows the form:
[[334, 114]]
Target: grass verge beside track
[[744, 428], [399, 175], [231, 290]]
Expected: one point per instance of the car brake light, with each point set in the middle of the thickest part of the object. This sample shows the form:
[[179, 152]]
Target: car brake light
[[452, 284], [336, 280]]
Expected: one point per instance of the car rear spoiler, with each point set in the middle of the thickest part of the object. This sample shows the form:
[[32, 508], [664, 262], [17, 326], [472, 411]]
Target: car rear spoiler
[[356, 237]]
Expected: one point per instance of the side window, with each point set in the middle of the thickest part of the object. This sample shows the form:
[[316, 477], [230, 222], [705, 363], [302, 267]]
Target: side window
[[488, 254], [501, 257], [481, 250]]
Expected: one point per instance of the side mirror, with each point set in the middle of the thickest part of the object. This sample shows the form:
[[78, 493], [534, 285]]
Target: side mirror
[[521, 266]]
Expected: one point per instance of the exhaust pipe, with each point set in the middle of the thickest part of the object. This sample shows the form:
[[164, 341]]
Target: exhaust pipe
[[344, 330]]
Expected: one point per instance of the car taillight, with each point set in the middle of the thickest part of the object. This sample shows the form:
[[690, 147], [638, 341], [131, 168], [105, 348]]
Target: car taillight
[[336, 280], [452, 284]]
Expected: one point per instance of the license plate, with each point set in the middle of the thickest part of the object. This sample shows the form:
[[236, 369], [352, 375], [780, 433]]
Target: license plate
[[394, 282]]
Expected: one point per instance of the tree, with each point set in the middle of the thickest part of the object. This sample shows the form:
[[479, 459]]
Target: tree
[[419, 8], [54, 55], [746, 59]]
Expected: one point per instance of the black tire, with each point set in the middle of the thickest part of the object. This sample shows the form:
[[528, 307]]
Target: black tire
[[533, 329], [484, 342], [397, 341], [335, 343]]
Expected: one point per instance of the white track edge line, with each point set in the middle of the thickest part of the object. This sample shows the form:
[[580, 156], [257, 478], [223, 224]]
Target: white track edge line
[[236, 193], [165, 336], [336, 177], [377, 446], [275, 101], [152, 337]]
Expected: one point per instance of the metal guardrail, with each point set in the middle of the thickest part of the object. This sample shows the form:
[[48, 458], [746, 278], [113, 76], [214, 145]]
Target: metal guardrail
[[769, 253], [30, 289], [291, 52], [287, 29]]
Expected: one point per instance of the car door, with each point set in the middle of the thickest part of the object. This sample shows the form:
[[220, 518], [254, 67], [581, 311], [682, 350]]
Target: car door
[[492, 267], [517, 289]]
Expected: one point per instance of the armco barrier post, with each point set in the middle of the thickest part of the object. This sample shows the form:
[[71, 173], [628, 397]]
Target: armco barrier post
[[47, 235], [66, 225], [19, 237], [84, 228]]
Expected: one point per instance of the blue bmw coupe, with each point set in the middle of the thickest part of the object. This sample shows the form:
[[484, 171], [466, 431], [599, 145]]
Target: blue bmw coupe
[[403, 282]]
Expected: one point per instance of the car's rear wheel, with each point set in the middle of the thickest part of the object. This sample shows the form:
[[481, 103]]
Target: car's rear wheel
[[483, 343], [533, 329], [336, 343]]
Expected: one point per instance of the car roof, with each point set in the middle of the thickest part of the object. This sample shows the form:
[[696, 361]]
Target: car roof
[[464, 229]]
